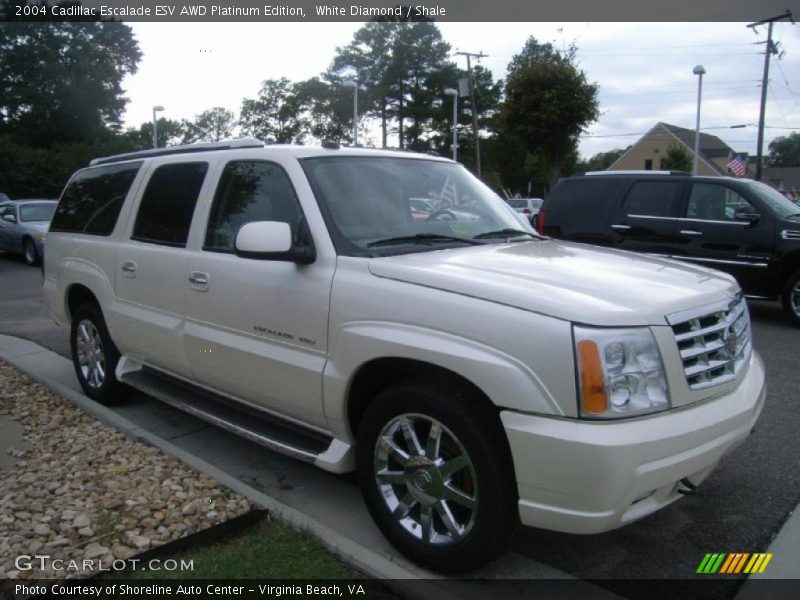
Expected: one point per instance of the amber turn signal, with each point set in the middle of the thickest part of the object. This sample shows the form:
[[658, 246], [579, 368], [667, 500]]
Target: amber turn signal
[[593, 390]]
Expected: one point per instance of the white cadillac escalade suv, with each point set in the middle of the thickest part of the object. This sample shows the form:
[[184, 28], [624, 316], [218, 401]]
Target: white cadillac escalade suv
[[472, 372]]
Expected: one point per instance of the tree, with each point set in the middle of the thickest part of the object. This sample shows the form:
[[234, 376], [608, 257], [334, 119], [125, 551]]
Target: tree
[[62, 81], [275, 115], [784, 151], [600, 161], [548, 103], [326, 110], [169, 133], [403, 66], [677, 159], [211, 125]]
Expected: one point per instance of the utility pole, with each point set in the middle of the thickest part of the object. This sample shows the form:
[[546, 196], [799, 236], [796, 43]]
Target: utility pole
[[770, 50], [470, 56]]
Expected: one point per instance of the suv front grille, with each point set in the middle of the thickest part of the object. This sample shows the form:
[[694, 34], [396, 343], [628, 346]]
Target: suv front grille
[[714, 342]]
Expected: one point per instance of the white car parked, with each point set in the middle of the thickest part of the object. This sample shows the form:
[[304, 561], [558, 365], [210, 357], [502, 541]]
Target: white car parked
[[473, 373]]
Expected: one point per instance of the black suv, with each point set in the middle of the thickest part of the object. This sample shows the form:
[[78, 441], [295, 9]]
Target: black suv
[[739, 226]]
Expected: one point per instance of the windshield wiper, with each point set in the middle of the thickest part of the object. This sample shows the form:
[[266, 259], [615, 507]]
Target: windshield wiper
[[421, 238], [506, 233]]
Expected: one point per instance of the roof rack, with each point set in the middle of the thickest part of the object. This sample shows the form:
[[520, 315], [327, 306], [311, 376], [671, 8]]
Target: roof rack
[[635, 172], [182, 149]]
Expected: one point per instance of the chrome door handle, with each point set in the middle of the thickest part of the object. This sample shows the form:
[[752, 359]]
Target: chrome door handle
[[129, 269], [199, 281], [691, 232], [620, 227]]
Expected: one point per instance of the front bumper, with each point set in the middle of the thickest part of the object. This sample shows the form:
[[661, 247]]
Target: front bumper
[[588, 477]]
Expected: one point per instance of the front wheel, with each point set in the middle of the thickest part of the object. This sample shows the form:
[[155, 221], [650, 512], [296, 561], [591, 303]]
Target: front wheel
[[436, 475], [95, 356], [29, 252], [791, 298]]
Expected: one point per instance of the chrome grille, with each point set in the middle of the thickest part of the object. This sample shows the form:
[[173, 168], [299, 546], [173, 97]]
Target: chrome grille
[[714, 342]]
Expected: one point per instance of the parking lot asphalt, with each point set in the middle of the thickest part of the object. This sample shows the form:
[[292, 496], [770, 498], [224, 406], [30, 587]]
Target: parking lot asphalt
[[740, 508]]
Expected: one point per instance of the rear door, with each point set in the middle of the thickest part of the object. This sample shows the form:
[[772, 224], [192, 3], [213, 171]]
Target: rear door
[[645, 219], [151, 273], [723, 229]]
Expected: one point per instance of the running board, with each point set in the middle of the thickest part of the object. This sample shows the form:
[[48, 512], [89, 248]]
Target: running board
[[263, 429]]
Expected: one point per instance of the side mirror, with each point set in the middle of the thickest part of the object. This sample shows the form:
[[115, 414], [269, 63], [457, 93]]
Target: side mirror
[[742, 214], [10, 218], [271, 240]]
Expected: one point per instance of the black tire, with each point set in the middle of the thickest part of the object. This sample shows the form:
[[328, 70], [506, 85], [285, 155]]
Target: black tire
[[29, 252], [88, 325], [468, 428], [791, 298]]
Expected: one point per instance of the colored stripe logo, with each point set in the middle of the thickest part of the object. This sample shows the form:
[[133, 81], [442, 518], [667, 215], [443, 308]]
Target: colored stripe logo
[[735, 562]]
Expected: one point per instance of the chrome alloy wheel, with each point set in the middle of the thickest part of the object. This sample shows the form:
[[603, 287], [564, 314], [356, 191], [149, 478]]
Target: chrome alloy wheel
[[91, 357], [794, 299], [426, 479]]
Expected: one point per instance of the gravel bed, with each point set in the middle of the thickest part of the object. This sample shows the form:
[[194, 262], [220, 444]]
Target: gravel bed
[[82, 491]]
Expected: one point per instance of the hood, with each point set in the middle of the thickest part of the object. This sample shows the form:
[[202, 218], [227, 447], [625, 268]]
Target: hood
[[576, 282]]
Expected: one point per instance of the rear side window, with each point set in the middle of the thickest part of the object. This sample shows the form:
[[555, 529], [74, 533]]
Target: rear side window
[[93, 199], [167, 206], [250, 191], [652, 198], [583, 199]]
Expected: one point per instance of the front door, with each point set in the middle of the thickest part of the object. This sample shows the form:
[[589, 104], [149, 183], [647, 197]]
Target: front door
[[720, 228], [257, 329]]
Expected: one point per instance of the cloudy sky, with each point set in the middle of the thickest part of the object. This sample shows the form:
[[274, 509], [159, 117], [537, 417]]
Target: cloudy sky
[[644, 70]]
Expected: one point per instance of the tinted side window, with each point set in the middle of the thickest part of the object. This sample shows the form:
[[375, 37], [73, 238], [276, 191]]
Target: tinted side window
[[652, 198], [713, 202], [93, 199], [583, 198], [167, 206], [250, 191]]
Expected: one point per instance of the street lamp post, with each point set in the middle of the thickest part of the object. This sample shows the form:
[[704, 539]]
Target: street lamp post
[[354, 84], [454, 93], [156, 109], [699, 70]]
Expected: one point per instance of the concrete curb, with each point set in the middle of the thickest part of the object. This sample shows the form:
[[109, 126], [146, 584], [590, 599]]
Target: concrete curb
[[361, 558]]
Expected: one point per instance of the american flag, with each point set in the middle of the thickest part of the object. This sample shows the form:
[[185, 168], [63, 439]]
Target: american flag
[[737, 166], [448, 197]]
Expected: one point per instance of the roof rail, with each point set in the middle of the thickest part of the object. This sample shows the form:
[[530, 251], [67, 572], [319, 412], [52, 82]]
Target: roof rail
[[635, 172], [182, 149]]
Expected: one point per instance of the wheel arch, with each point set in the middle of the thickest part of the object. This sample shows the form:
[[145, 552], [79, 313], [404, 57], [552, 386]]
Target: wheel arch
[[379, 374], [76, 295]]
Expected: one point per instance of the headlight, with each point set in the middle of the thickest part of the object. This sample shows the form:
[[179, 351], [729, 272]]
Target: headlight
[[40, 236], [620, 373]]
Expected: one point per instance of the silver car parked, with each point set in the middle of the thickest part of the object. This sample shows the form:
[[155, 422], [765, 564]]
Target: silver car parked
[[23, 225]]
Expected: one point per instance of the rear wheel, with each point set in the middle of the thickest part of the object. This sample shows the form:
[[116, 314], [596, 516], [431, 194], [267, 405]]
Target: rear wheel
[[436, 474], [791, 298], [95, 356], [29, 252]]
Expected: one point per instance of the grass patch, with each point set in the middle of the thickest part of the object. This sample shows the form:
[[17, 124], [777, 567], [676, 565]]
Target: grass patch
[[266, 550]]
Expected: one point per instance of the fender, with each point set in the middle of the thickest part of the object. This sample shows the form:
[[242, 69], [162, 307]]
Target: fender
[[503, 378]]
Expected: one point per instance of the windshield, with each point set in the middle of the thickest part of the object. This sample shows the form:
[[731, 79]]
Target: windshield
[[782, 206], [405, 205], [41, 211]]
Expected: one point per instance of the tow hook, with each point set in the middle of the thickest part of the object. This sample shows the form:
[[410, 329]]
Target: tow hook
[[690, 488]]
